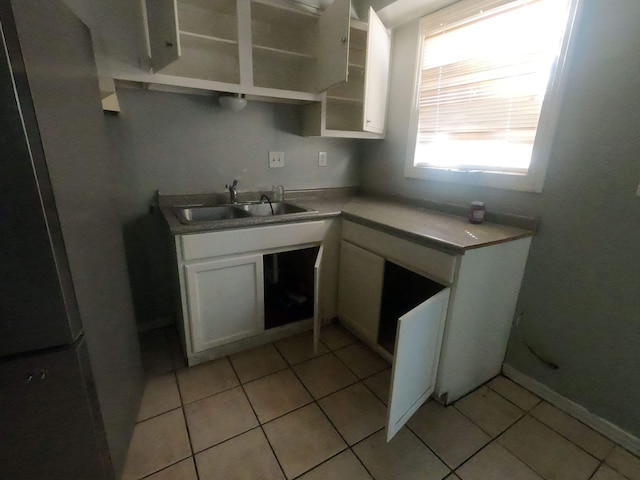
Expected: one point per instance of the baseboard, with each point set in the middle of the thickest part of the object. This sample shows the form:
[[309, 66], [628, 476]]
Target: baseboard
[[604, 427], [159, 322]]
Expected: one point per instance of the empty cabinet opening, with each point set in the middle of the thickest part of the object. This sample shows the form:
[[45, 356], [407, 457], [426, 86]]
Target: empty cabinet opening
[[402, 291], [288, 286]]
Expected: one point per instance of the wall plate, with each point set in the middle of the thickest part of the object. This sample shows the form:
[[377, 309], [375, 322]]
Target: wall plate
[[276, 159]]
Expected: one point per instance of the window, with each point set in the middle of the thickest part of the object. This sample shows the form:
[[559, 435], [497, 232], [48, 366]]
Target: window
[[488, 86]]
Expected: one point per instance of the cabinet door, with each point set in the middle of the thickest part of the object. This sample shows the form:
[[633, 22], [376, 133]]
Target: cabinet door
[[360, 289], [317, 318], [376, 78], [415, 363], [333, 45], [162, 19], [226, 300]]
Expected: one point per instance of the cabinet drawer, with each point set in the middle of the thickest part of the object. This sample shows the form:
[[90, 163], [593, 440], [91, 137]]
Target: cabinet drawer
[[229, 242], [432, 263]]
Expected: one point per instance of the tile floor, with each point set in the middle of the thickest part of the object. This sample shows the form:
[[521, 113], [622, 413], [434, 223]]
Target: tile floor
[[280, 412]]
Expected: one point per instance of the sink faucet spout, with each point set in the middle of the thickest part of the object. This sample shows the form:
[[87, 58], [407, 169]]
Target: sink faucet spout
[[233, 191]]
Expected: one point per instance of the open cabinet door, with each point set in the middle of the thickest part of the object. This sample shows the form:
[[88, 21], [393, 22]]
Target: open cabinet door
[[376, 77], [164, 40], [415, 363], [317, 318], [332, 51]]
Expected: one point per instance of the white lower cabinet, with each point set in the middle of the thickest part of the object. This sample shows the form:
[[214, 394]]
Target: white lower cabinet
[[245, 287], [225, 300], [443, 319]]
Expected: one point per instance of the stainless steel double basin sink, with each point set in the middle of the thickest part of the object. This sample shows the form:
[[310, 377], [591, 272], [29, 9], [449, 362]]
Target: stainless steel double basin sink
[[189, 215]]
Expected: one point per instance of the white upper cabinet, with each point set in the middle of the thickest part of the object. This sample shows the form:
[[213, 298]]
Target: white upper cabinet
[[276, 49], [356, 108]]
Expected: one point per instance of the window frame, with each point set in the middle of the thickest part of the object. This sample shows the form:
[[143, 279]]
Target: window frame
[[533, 180]]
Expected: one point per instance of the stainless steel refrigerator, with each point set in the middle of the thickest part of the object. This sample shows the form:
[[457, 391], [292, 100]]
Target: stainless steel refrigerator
[[70, 369]]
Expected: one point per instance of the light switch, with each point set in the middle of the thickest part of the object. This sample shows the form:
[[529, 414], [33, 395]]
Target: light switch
[[276, 159]]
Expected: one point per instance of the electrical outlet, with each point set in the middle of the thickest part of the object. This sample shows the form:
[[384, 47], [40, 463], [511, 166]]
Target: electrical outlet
[[276, 159], [322, 159]]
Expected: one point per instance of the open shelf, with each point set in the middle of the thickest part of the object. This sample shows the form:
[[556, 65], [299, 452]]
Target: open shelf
[[344, 116], [210, 19], [283, 46]]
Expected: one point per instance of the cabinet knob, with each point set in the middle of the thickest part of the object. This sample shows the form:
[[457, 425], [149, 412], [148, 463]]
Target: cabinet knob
[[368, 121], [169, 44], [343, 39]]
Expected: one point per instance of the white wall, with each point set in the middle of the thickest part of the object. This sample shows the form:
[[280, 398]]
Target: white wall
[[581, 292]]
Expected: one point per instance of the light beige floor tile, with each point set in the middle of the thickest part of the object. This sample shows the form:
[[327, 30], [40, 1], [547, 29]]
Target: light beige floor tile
[[156, 443], [546, 452], [489, 411], [299, 348], [276, 394], [405, 457], [160, 395], [245, 457], [217, 418], [257, 362], [335, 336], [154, 348], [303, 439], [451, 435], [324, 375], [355, 412], [607, 473], [363, 361], [453, 476], [577, 432], [494, 462], [184, 470], [344, 466], [379, 384], [625, 463], [206, 379], [513, 392]]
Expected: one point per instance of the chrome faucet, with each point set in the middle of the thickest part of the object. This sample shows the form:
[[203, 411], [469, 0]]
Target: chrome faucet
[[233, 192]]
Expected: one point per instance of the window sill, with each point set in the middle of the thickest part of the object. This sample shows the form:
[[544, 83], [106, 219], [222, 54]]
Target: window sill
[[529, 182]]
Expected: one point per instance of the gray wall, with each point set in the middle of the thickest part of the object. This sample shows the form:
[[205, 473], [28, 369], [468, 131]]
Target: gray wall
[[581, 295], [183, 144]]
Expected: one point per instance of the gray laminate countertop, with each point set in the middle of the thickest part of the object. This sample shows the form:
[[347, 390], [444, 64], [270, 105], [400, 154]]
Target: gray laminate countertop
[[429, 227], [446, 232]]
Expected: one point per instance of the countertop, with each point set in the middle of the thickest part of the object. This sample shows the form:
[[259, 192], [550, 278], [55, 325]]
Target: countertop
[[450, 233], [446, 232]]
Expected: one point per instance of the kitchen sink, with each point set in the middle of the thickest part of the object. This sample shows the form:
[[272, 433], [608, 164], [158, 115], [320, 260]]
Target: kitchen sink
[[189, 215], [279, 208], [209, 214]]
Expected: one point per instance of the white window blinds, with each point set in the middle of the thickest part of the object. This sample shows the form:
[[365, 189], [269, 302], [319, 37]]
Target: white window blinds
[[484, 72]]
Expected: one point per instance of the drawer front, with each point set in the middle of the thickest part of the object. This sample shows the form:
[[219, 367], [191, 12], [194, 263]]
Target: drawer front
[[431, 263], [230, 242]]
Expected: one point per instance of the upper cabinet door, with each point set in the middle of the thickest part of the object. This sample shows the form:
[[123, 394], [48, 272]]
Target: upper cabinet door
[[333, 45], [415, 362], [376, 78], [163, 32]]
